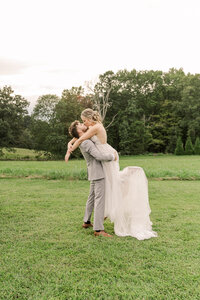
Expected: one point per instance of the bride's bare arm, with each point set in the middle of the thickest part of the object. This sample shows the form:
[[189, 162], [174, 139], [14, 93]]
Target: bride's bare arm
[[67, 155], [70, 144], [93, 130]]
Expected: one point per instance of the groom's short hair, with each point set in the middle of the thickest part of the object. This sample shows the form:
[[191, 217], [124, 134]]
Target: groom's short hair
[[73, 129]]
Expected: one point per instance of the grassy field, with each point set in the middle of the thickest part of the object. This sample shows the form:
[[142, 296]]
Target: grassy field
[[162, 167], [21, 154], [47, 255]]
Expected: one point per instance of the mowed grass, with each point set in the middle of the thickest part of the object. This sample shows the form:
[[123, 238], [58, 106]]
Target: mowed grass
[[46, 254], [158, 166]]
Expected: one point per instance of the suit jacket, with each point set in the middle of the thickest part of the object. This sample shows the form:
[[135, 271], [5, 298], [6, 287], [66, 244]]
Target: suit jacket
[[93, 158]]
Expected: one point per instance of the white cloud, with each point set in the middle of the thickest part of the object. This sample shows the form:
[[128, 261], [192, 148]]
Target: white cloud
[[9, 66], [64, 43]]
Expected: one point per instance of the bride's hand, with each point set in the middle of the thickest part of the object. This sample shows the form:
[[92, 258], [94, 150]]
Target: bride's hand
[[69, 146], [67, 156]]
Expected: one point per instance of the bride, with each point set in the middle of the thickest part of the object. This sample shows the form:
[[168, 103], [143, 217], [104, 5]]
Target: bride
[[126, 195]]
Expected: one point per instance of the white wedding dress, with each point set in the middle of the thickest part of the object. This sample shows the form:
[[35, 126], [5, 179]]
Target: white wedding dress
[[126, 198]]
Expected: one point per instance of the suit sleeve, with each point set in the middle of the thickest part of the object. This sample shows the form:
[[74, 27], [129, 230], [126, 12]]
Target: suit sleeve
[[89, 147]]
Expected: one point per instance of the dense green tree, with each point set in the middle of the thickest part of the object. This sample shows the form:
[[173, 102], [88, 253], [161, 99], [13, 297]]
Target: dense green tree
[[44, 121], [56, 144], [26, 140], [13, 109], [143, 96], [40, 130], [179, 147], [52, 117], [197, 146], [189, 149], [69, 108], [148, 110], [152, 102], [191, 106], [44, 109], [145, 111]]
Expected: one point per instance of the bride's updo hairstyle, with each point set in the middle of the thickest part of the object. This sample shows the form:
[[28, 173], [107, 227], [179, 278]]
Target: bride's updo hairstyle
[[92, 115]]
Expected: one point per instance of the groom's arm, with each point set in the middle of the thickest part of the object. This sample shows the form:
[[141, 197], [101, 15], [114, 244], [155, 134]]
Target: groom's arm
[[89, 147]]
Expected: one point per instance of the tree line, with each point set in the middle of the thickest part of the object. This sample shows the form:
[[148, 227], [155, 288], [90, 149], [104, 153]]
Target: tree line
[[144, 112]]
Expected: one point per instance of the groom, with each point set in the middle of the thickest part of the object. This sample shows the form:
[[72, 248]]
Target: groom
[[96, 199]]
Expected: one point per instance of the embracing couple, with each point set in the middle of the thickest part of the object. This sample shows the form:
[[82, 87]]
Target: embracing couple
[[121, 196]]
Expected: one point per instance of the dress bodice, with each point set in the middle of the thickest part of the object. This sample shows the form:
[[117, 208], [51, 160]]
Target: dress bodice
[[95, 140], [105, 148]]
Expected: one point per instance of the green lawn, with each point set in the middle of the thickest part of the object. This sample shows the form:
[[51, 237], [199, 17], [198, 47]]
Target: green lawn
[[163, 167], [21, 154], [45, 253]]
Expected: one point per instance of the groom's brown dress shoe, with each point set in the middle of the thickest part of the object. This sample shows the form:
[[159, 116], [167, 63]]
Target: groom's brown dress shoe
[[87, 225], [102, 233]]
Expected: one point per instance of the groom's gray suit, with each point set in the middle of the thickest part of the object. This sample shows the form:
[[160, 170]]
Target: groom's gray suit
[[96, 199]]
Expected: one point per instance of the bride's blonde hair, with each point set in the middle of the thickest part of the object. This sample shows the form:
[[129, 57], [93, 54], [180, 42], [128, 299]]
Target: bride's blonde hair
[[92, 115]]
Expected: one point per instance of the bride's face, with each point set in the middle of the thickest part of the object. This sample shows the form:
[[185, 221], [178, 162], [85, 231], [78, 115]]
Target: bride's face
[[86, 122]]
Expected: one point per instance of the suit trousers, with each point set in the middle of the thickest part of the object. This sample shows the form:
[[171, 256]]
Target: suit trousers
[[96, 202]]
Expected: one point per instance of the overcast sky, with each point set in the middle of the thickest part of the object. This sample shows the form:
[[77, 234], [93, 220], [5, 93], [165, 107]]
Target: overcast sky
[[50, 45]]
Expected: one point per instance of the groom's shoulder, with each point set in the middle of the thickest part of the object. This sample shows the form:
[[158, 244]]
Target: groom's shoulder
[[85, 143]]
